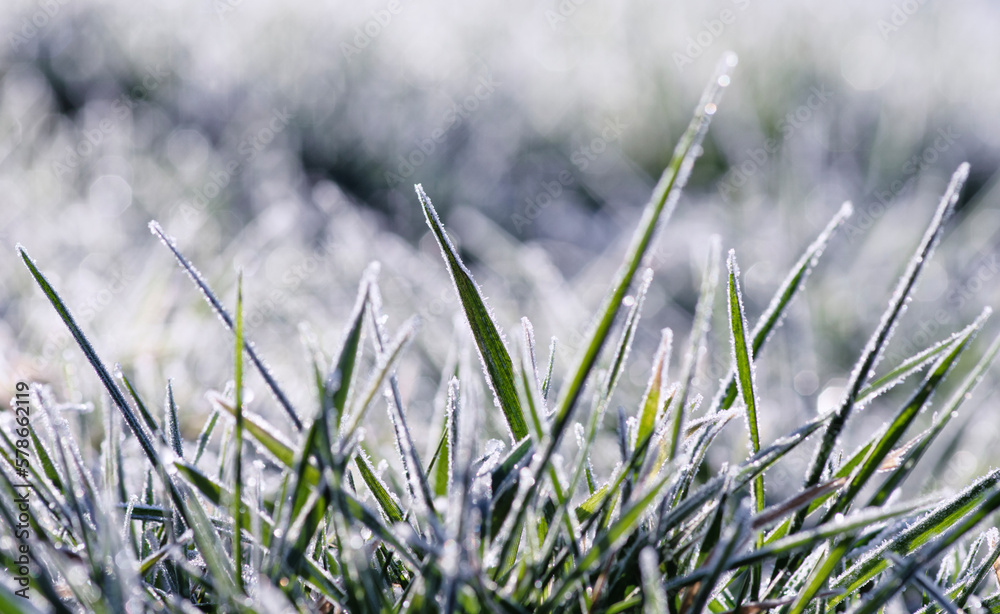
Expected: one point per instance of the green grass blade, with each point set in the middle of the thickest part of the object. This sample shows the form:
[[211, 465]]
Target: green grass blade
[[944, 416], [925, 530], [317, 444], [910, 366], [656, 214], [788, 290], [102, 372], [895, 430], [547, 382], [876, 343], [977, 575], [266, 434], [628, 335], [216, 305], [657, 211], [654, 400], [612, 538], [387, 502], [807, 539], [147, 417], [489, 341], [929, 552], [173, 430], [443, 462], [237, 500], [386, 363], [206, 434], [210, 547], [744, 369], [219, 495]]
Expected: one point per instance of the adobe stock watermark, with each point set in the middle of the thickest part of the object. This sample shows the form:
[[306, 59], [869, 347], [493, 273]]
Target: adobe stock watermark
[[371, 29], [11, 140], [121, 109], [898, 17], [224, 7], [738, 174], [582, 157], [424, 147], [534, 205], [866, 217], [942, 322], [248, 149], [38, 20], [612, 131], [695, 46], [291, 279], [564, 11]]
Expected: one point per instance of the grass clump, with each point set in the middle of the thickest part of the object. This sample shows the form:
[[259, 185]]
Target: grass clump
[[534, 529]]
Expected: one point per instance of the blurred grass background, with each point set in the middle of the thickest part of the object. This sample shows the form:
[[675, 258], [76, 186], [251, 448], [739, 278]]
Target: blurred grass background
[[283, 138]]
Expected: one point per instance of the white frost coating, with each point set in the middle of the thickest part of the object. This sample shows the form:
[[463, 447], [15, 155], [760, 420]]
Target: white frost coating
[[490, 458], [798, 578], [529, 343], [580, 433]]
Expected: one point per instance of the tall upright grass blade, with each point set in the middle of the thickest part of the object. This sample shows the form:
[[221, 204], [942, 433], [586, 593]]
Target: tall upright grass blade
[[102, 372], [173, 427], [656, 214], [862, 371], [788, 290], [895, 430], [661, 205], [743, 358], [227, 319], [489, 341], [237, 502]]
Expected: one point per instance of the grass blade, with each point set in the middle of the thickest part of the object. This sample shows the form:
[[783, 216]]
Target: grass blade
[[944, 416], [788, 290], [657, 211], [237, 501], [744, 368], [699, 331], [916, 535], [102, 372], [489, 341], [876, 343], [173, 427], [895, 430], [216, 305]]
